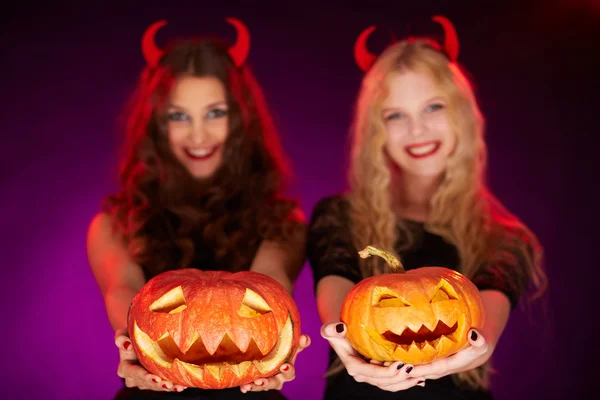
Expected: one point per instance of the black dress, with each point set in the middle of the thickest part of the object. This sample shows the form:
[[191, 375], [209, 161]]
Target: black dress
[[203, 260], [331, 252]]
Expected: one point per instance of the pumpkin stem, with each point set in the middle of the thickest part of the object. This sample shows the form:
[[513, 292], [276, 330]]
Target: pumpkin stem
[[392, 261]]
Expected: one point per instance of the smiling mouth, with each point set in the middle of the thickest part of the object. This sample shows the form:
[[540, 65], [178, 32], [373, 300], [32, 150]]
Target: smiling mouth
[[197, 362], [423, 336], [423, 149], [421, 339], [200, 154]]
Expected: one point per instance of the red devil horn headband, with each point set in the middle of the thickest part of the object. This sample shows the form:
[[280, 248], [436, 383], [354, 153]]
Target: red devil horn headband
[[365, 59], [238, 52]]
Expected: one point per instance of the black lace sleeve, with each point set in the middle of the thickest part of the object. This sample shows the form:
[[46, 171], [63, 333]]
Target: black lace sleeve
[[329, 245], [507, 271]]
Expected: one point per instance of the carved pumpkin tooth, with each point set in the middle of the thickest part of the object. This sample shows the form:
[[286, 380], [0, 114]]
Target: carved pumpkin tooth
[[215, 370], [185, 342], [445, 341], [240, 369], [413, 346], [196, 372], [435, 342]]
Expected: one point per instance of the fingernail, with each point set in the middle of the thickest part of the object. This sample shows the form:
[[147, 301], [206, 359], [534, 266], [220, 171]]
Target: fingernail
[[285, 368], [400, 365], [421, 383], [260, 383], [126, 345], [154, 380], [409, 369], [339, 328], [473, 335], [165, 386]]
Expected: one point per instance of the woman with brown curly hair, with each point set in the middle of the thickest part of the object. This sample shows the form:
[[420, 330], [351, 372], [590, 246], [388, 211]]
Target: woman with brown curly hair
[[418, 190], [201, 187]]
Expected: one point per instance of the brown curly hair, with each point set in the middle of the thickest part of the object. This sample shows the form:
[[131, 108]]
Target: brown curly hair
[[167, 217]]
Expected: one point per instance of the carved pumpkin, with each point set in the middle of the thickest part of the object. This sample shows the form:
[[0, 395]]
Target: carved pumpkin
[[414, 317], [213, 329]]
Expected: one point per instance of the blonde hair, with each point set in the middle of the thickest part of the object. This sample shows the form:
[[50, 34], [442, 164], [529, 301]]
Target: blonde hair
[[462, 211]]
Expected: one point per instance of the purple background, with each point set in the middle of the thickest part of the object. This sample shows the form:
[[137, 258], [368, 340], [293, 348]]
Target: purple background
[[67, 71]]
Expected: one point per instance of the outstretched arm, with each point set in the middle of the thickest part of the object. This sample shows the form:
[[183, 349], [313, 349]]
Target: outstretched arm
[[119, 279], [283, 261]]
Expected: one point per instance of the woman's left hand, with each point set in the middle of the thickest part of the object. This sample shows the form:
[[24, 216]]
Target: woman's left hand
[[276, 382], [470, 357]]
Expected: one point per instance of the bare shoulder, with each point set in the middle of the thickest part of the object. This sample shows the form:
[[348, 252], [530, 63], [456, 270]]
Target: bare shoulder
[[101, 232], [109, 257]]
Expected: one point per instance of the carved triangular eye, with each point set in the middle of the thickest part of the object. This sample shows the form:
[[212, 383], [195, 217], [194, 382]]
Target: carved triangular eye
[[253, 305], [384, 297], [171, 302], [444, 291]]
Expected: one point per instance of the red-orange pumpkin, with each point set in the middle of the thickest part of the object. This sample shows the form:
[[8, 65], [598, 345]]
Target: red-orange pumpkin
[[414, 317], [213, 329]]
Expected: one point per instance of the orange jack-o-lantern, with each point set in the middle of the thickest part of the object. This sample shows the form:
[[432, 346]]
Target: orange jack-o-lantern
[[213, 329], [414, 317]]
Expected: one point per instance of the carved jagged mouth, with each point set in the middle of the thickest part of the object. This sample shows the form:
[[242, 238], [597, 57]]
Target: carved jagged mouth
[[197, 360], [423, 336], [424, 339], [198, 354]]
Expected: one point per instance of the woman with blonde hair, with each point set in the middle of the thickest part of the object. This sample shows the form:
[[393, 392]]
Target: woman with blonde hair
[[417, 187]]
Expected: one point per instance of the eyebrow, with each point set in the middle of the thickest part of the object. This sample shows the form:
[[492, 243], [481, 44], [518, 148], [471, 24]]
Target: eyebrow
[[211, 105], [425, 102]]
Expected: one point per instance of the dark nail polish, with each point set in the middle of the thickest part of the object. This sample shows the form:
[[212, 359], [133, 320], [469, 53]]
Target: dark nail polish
[[473, 335], [409, 369], [126, 345], [285, 368], [164, 386], [400, 365], [154, 380], [339, 328], [418, 383]]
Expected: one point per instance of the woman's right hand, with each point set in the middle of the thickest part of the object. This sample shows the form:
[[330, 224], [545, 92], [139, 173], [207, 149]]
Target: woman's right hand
[[134, 374], [389, 376]]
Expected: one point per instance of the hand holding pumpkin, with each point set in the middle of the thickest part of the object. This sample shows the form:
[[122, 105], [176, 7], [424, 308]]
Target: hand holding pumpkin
[[134, 374], [461, 361], [391, 377], [214, 329], [288, 373], [424, 317]]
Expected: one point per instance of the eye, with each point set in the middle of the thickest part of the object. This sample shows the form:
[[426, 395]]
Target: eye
[[434, 107], [253, 305], [444, 291], [396, 115], [384, 297], [171, 302], [217, 113], [177, 116]]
